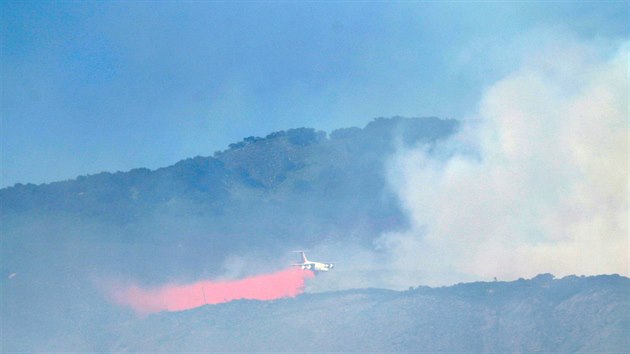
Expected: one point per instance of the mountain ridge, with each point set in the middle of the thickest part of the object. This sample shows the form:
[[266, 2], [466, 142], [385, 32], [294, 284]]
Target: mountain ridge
[[298, 136]]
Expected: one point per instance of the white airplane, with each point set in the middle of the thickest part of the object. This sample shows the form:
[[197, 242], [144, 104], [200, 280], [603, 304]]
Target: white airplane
[[314, 266]]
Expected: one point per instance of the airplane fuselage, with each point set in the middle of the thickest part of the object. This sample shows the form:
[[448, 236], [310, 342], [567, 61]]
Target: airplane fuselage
[[317, 266]]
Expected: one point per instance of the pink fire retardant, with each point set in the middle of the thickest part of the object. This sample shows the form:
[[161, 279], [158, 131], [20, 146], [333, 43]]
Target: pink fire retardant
[[174, 297]]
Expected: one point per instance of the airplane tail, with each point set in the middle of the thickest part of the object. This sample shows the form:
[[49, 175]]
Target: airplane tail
[[302, 256]]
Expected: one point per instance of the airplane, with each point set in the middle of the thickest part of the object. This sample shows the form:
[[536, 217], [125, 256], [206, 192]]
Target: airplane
[[314, 266]]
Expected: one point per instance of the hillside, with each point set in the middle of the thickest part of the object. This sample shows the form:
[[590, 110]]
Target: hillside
[[289, 189], [238, 213], [232, 214], [573, 314]]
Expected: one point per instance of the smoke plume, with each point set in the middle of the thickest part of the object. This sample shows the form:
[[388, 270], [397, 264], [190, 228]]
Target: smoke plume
[[536, 183], [174, 297]]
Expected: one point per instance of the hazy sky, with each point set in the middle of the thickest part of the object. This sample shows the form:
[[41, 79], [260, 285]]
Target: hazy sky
[[108, 86]]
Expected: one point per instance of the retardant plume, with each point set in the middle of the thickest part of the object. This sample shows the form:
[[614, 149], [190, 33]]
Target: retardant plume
[[175, 297]]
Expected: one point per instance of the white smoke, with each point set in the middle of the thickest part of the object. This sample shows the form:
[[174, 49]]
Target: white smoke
[[536, 183]]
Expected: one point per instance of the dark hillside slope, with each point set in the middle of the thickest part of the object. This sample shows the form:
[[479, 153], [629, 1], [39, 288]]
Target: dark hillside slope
[[573, 314]]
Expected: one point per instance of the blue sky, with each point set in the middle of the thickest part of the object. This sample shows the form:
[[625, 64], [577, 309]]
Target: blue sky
[[109, 86]]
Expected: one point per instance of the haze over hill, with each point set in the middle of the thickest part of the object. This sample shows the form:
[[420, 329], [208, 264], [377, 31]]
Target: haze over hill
[[238, 213], [235, 214], [207, 215]]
